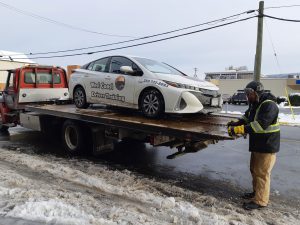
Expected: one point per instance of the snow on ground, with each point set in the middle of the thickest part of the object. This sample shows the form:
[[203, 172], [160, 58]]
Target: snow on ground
[[69, 191], [284, 105], [284, 119]]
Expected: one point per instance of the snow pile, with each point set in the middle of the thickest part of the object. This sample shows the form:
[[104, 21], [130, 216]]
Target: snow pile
[[285, 105], [288, 119], [59, 191], [294, 94], [284, 119], [51, 211]]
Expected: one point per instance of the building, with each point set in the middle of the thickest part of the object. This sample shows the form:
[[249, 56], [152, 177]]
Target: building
[[232, 80], [10, 60], [231, 73]]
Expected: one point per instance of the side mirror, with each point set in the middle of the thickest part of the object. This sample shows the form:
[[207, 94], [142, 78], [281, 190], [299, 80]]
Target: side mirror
[[127, 69]]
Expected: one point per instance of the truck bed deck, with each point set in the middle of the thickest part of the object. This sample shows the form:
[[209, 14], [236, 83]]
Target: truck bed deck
[[192, 127]]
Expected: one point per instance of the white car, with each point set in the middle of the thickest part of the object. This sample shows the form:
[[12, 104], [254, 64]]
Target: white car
[[141, 83]]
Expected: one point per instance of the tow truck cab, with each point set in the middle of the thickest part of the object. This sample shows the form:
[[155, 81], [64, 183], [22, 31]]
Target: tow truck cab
[[30, 84]]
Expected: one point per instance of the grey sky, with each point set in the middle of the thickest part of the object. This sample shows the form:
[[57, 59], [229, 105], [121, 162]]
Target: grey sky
[[208, 51]]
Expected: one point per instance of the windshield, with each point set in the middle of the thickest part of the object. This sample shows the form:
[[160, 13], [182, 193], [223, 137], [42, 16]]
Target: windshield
[[157, 67]]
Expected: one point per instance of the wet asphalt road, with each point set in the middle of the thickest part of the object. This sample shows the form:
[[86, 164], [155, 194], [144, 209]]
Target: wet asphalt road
[[221, 169]]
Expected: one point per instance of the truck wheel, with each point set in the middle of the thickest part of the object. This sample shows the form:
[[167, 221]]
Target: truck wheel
[[152, 103], [80, 98], [73, 137], [3, 129]]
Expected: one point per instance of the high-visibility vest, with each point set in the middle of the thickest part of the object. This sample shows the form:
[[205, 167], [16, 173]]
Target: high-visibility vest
[[258, 129]]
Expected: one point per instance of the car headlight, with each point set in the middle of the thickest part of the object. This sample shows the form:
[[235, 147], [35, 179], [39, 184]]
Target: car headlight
[[178, 85], [209, 92]]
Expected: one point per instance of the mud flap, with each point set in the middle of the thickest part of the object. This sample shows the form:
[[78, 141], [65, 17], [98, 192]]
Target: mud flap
[[101, 144], [191, 148]]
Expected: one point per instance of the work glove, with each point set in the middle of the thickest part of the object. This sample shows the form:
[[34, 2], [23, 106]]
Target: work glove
[[236, 130]]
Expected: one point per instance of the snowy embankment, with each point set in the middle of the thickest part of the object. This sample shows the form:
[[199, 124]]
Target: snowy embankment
[[69, 191], [284, 119]]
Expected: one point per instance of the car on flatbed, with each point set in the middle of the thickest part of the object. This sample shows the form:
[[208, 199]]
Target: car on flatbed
[[36, 97], [140, 83]]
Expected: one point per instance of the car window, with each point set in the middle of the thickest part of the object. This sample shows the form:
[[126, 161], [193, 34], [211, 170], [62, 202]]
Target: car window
[[98, 65], [118, 61]]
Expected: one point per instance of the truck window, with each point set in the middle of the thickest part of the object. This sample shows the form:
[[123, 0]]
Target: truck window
[[11, 80], [42, 78]]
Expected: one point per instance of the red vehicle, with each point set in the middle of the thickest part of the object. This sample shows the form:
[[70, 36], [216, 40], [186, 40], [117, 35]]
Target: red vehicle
[[30, 84]]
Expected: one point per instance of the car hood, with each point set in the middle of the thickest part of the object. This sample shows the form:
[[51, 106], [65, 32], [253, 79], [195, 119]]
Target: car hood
[[191, 81]]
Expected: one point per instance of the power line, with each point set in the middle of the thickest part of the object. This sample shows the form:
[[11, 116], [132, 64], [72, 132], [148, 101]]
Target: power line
[[282, 19], [45, 19], [282, 6], [145, 37], [275, 54], [144, 43]]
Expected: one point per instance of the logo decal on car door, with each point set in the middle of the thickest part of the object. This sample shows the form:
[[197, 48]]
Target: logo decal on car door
[[120, 83]]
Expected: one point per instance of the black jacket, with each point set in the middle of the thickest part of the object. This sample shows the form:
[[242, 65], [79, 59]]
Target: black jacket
[[267, 115]]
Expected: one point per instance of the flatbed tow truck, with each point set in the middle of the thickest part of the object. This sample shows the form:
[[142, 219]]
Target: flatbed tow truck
[[97, 128]]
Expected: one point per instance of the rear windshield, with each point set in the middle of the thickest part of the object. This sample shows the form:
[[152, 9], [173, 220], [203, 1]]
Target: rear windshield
[[41, 78]]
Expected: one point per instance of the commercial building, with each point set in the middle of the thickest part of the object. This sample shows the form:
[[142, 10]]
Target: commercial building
[[11, 60], [230, 81]]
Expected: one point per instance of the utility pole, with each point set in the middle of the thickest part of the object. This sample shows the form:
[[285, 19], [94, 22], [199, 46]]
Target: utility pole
[[257, 65], [195, 75]]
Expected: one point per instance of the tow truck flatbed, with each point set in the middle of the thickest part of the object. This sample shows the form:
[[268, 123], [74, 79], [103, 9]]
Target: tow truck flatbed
[[194, 127]]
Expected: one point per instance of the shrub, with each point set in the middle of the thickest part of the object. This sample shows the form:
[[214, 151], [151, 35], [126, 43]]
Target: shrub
[[295, 99]]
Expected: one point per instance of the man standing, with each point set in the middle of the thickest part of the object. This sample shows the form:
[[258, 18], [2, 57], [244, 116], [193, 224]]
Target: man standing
[[260, 121]]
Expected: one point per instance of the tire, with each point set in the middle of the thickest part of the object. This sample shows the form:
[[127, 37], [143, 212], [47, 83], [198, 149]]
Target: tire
[[152, 104], [73, 137], [3, 129], [80, 98]]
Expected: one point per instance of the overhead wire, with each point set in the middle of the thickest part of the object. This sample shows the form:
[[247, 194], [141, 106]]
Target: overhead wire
[[144, 43], [282, 6], [142, 38], [282, 19], [272, 43], [45, 19]]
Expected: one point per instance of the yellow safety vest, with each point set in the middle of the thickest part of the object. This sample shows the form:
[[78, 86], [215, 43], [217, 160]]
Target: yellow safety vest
[[258, 129]]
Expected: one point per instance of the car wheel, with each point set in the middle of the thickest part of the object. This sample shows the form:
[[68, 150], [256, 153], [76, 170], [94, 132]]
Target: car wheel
[[152, 103], [80, 98]]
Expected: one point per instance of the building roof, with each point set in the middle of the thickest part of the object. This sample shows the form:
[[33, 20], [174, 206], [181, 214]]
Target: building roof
[[14, 57]]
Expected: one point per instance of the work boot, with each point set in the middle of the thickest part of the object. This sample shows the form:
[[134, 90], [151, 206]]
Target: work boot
[[248, 195], [252, 205]]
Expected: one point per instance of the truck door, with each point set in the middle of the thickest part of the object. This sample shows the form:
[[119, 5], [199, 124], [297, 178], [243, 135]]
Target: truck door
[[10, 91], [42, 84]]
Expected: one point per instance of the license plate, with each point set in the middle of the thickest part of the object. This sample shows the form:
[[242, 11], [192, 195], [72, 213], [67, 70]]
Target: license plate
[[214, 102]]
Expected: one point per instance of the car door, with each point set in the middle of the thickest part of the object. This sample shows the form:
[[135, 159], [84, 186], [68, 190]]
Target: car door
[[94, 80], [122, 93]]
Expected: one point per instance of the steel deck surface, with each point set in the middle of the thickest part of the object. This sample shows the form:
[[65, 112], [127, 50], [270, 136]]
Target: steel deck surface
[[192, 127]]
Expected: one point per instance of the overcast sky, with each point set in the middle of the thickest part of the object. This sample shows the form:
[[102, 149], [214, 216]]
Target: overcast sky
[[213, 50]]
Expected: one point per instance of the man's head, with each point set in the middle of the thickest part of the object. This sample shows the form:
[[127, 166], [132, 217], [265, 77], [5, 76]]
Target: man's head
[[253, 91]]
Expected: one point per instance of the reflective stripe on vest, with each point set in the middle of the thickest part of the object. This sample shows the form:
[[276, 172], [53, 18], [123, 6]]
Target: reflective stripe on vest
[[245, 119], [258, 129]]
